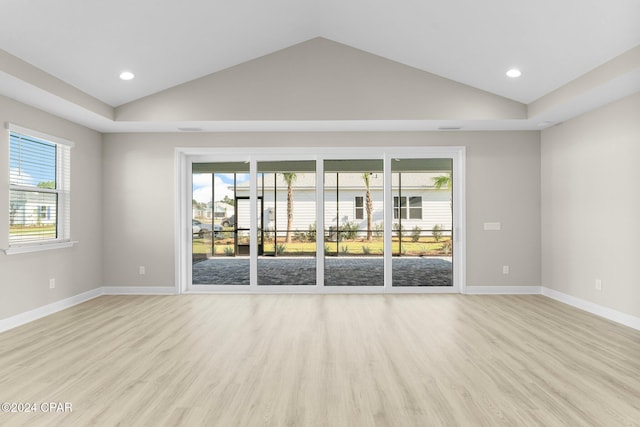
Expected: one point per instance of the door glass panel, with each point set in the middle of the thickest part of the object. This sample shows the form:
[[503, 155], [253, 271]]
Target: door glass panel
[[422, 222], [243, 226], [354, 223], [220, 226], [287, 223]]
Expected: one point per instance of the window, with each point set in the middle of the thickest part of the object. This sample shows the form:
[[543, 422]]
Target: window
[[359, 207], [45, 212], [415, 207], [399, 210], [39, 188], [400, 207]]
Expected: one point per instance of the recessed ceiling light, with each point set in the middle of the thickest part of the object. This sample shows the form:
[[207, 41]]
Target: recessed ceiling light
[[127, 75], [513, 73]]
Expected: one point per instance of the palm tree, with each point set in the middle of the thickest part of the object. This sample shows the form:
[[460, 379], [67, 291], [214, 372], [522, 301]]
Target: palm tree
[[443, 181], [368, 205], [289, 178]]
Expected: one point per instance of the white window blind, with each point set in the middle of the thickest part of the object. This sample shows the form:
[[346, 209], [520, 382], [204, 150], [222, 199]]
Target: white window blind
[[39, 188]]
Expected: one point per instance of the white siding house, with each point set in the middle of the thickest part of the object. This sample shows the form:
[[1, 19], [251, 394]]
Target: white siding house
[[219, 210], [418, 203], [32, 208]]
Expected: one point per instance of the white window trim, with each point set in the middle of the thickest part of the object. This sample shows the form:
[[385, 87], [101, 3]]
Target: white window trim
[[61, 243], [38, 247], [186, 156]]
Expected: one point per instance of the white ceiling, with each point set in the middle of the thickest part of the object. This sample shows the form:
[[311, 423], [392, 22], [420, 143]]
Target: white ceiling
[[87, 43]]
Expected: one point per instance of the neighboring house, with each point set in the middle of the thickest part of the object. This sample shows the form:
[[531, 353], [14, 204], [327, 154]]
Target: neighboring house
[[27, 208], [222, 210], [417, 203], [198, 212]]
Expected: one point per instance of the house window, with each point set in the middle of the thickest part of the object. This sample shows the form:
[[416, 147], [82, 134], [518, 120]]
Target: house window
[[39, 188], [359, 207], [400, 208], [415, 207], [45, 212]]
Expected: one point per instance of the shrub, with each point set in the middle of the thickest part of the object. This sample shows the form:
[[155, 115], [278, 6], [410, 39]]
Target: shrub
[[299, 236], [344, 250], [436, 231], [228, 251], [280, 249], [446, 247], [349, 231], [415, 233], [378, 230], [366, 250], [398, 229], [311, 233]]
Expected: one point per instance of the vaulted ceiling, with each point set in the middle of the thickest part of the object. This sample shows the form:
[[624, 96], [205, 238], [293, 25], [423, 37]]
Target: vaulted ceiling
[[86, 44]]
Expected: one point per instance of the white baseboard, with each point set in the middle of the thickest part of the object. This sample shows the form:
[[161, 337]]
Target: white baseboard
[[503, 290], [139, 290], [593, 308], [54, 307], [37, 313], [46, 310]]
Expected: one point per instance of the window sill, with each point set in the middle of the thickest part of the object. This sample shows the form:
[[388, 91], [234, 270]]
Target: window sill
[[23, 249]]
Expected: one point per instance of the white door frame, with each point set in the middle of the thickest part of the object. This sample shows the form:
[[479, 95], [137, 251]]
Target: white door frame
[[185, 157]]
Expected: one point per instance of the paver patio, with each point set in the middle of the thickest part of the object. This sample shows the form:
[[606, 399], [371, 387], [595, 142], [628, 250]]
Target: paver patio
[[339, 271]]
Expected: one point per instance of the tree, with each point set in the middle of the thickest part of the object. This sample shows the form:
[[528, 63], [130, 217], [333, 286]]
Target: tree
[[368, 205], [47, 184], [289, 178], [228, 200], [443, 181]]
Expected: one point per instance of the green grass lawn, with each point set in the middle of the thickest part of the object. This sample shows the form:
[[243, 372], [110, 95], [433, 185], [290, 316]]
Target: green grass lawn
[[44, 230]]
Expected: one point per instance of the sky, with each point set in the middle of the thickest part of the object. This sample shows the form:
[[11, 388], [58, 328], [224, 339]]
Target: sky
[[202, 185], [39, 166]]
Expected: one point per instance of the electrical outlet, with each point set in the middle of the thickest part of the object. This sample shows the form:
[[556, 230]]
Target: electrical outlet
[[598, 285], [52, 283], [505, 269], [141, 270]]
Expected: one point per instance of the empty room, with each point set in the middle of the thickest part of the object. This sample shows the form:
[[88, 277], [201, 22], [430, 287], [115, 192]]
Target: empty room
[[320, 213]]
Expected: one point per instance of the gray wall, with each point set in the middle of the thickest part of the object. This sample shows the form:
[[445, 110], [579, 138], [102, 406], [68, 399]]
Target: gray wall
[[503, 184], [24, 278], [591, 206], [321, 80]]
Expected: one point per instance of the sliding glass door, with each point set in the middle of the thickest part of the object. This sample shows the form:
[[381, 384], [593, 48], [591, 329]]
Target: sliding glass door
[[287, 223], [220, 224], [351, 224], [422, 192]]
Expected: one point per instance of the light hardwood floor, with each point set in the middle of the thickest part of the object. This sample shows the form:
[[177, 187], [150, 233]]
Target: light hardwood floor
[[323, 360]]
